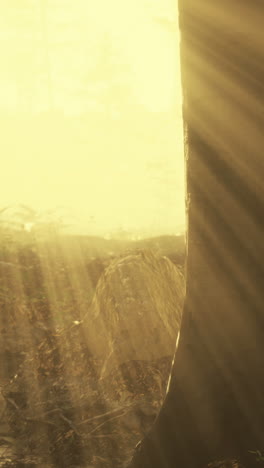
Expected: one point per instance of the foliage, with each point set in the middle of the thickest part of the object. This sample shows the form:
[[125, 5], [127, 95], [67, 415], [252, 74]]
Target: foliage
[[259, 456], [58, 411]]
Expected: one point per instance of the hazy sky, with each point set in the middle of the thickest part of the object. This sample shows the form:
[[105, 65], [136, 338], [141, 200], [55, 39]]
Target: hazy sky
[[124, 167]]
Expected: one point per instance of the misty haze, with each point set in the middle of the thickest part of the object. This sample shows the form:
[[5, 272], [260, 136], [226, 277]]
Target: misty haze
[[92, 226], [129, 338], [91, 114]]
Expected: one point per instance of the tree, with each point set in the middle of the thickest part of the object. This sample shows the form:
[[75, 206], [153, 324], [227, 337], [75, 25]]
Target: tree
[[27, 63], [215, 404], [18, 56], [24, 218], [111, 77], [42, 38]]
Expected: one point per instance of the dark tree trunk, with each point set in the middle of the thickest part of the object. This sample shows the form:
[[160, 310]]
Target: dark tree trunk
[[215, 404]]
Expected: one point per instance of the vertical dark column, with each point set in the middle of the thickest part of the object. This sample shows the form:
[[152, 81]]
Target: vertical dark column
[[45, 40], [215, 404]]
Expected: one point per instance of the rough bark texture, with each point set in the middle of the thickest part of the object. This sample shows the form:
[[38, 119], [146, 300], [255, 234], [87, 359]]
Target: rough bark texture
[[215, 404]]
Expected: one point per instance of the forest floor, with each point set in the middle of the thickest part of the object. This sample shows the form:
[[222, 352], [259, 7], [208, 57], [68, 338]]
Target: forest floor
[[55, 410]]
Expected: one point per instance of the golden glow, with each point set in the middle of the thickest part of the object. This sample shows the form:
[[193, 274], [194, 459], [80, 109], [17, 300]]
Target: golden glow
[[111, 145]]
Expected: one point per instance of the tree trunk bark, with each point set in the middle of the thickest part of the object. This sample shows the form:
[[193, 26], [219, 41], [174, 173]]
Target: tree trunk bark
[[215, 404]]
